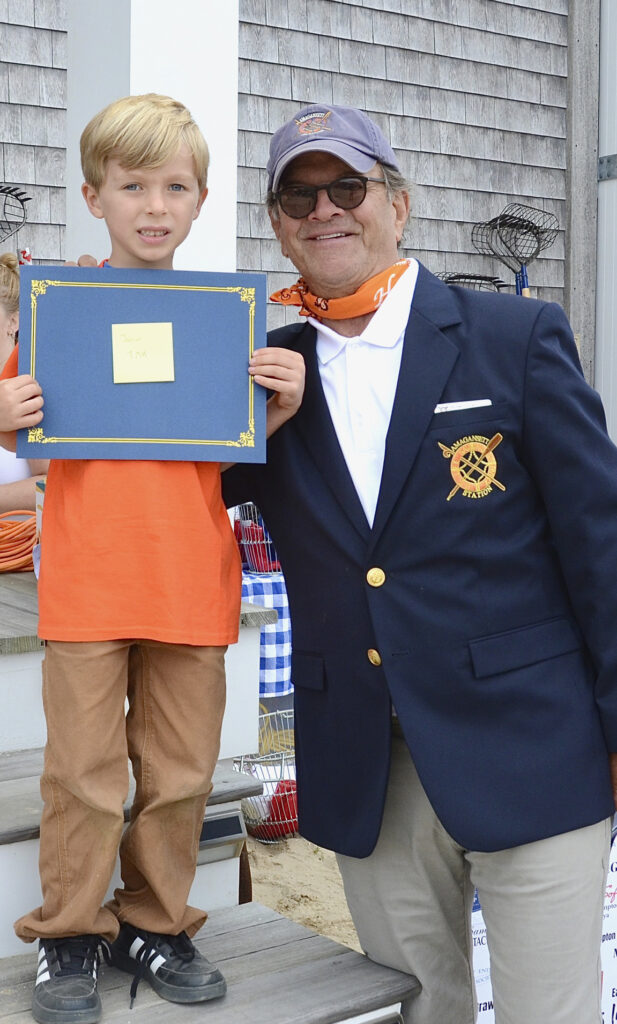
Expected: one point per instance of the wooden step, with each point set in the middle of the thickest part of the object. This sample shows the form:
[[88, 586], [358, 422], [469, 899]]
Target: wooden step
[[217, 878], [21, 804], [22, 724], [277, 971]]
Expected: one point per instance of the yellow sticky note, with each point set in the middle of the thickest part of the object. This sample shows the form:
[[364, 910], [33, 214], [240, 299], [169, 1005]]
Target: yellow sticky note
[[142, 353]]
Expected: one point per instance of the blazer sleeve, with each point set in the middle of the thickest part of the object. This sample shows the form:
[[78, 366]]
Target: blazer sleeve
[[574, 464], [240, 483]]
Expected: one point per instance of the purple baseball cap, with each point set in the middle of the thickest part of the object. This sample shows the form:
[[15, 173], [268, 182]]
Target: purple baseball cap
[[344, 132]]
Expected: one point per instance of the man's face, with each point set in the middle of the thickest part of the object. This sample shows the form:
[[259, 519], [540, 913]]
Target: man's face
[[337, 250], [148, 211]]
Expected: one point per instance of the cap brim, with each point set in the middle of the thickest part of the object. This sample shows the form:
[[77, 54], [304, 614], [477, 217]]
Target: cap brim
[[356, 159]]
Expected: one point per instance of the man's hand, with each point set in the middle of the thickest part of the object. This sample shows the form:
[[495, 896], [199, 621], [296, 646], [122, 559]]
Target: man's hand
[[21, 403], [613, 766], [282, 371]]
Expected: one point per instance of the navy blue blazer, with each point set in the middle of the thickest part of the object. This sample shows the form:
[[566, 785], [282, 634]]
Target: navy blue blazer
[[492, 626]]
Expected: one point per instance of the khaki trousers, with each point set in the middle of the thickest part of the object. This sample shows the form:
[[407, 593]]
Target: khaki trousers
[[176, 696], [542, 905]]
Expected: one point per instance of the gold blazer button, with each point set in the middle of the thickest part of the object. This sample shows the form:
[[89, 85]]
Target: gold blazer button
[[376, 577], [373, 656]]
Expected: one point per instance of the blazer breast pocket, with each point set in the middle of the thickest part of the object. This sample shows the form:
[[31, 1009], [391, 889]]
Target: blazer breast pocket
[[465, 420]]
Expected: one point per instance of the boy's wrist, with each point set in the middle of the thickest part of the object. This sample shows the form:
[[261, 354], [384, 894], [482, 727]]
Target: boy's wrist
[[8, 440]]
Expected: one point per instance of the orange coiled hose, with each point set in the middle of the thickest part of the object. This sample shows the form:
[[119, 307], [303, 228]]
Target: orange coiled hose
[[17, 537]]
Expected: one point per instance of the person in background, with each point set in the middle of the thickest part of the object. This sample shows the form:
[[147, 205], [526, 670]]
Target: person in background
[[18, 477], [444, 507]]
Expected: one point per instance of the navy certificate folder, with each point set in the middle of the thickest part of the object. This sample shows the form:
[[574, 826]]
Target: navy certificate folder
[[143, 364]]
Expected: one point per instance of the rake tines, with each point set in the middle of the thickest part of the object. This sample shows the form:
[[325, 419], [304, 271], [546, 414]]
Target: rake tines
[[13, 210], [486, 240], [478, 282]]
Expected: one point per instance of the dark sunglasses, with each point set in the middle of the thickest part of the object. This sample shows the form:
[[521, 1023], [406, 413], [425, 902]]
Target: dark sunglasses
[[298, 201]]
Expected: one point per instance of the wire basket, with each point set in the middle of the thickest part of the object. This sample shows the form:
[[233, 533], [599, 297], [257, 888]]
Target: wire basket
[[273, 815], [526, 231], [256, 547]]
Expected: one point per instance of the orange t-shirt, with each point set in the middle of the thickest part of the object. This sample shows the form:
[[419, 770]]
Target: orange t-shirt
[[136, 549]]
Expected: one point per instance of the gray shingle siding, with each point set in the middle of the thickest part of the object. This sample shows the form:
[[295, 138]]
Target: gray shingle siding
[[472, 94], [32, 119]]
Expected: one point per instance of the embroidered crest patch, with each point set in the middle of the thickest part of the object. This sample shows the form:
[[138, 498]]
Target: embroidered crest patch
[[473, 465], [312, 124]]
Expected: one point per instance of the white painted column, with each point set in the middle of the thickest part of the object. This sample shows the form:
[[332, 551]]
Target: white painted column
[[187, 49], [606, 315]]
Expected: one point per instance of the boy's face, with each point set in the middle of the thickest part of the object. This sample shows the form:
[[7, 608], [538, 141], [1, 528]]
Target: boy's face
[[148, 211]]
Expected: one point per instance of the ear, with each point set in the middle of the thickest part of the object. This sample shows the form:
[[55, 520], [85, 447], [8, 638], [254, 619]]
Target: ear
[[401, 204], [276, 227], [200, 203], [12, 325], [92, 200]]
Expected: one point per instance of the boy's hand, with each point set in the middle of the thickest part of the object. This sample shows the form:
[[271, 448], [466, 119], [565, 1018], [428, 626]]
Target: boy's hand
[[82, 261], [282, 371], [21, 403]]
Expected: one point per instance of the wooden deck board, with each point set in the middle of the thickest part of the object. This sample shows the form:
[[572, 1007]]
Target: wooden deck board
[[21, 805], [19, 613], [21, 764], [278, 972]]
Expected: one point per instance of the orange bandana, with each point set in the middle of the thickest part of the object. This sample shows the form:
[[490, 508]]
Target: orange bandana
[[366, 299]]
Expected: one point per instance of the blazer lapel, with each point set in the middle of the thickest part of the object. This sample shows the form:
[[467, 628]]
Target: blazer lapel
[[314, 423], [427, 361]]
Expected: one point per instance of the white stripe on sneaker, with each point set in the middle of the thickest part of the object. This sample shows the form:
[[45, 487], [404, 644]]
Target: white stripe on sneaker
[[155, 964], [135, 948], [42, 973]]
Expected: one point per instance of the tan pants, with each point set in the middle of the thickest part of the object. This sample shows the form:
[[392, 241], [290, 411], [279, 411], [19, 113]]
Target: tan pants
[[542, 905], [176, 697]]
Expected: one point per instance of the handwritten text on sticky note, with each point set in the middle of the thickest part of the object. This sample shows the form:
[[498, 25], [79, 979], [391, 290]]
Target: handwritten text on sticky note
[[142, 353]]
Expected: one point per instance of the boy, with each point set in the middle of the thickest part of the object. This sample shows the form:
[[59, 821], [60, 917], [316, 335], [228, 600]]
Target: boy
[[139, 596]]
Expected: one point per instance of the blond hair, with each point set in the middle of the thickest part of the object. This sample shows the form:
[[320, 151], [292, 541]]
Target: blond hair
[[9, 283], [141, 131]]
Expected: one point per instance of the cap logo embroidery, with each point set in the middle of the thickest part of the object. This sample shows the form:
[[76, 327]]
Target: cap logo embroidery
[[312, 124], [473, 465]]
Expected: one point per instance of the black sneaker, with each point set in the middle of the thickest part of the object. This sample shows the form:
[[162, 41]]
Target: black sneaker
[[170, 963], [65, 988]]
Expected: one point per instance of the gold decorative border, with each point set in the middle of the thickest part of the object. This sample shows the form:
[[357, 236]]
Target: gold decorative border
[[246, 438]]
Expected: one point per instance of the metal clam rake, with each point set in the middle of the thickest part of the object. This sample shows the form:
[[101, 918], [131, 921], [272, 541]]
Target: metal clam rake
[[477, 282], [273, 815], [12, 210], [516, 237]]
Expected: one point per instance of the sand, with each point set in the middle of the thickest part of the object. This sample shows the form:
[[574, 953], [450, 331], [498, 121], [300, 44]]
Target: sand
[[302, 881]]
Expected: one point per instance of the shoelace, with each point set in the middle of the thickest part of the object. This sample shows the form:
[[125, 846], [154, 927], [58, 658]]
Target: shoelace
[[181, 947], [78, 954]]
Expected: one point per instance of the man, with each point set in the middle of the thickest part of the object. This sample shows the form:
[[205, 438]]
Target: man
[[444, 505]]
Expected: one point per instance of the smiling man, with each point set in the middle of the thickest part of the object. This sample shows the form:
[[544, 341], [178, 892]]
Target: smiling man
[[444, 506]]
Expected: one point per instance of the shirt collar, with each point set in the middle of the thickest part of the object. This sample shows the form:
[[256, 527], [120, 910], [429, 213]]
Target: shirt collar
[[384, 329]]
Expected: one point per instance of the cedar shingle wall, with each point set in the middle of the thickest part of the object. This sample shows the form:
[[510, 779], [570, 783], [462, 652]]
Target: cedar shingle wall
[[32, 119], [471, 93]]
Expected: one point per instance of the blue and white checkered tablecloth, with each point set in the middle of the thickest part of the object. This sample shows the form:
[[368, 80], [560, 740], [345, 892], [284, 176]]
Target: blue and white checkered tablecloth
[[275, 645]]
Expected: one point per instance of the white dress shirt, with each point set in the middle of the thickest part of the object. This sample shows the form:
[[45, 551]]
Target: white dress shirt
[[359, 377]]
